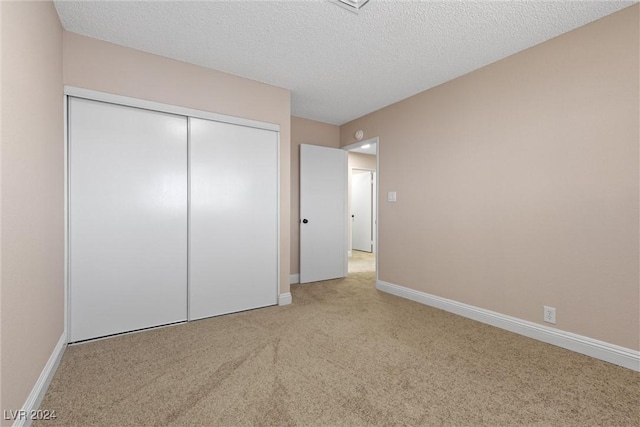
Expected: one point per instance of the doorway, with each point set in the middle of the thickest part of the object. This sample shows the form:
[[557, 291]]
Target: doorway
[[362, 199], [362, 211]]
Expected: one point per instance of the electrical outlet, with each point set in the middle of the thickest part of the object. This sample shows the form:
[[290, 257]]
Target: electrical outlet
[[549, 314]]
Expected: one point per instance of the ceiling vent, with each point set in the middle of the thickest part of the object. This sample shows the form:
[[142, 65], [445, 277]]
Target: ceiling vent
[[352, 5]]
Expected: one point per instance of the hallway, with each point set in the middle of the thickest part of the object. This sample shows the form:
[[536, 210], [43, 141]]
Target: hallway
[[361, 262]]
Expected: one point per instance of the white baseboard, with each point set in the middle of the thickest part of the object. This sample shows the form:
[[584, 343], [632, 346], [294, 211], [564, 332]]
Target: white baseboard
[[294, 278], [285, 299], [611, 353], [40, 388]]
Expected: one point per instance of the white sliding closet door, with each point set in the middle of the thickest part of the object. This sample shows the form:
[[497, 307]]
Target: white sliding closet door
[[127, 218], [233, 256]]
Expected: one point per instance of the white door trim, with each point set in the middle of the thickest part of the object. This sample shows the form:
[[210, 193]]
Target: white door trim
[[374, 140], [65, 144]]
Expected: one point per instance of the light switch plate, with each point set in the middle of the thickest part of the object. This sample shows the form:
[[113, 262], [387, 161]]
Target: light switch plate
[[391, 197]]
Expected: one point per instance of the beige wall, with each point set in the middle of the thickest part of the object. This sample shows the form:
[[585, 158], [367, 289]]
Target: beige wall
[[105, 67], [362, 161], [304, 131], [32, 198], [518, 184]]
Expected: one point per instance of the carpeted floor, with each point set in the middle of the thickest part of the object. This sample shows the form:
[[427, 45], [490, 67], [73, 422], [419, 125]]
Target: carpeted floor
[[342, 354], [361, 262]]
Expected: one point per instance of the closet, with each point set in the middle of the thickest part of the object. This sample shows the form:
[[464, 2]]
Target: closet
[[171, 218]]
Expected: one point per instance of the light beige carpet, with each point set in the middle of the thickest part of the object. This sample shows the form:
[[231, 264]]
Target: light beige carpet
[[361, 262], [342, 354]]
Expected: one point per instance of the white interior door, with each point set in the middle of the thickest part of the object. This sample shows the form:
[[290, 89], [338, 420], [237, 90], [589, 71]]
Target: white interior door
[[233, 229], [127, 218], [323, 213], [361, 210]]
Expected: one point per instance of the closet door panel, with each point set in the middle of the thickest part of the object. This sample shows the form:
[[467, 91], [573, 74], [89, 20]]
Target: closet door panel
[[233, 256], [128, 218]]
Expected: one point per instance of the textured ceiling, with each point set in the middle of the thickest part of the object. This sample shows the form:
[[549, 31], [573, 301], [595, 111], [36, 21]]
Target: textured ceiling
[[338, 65]]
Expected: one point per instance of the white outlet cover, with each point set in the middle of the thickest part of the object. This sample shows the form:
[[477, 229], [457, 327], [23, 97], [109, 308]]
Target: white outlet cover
[[391, 197], [549, 314]]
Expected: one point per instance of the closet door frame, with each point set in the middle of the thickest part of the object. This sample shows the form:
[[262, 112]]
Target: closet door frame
[[71, 91]]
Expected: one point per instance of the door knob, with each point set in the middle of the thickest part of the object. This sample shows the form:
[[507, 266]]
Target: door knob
[[304, 221]]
